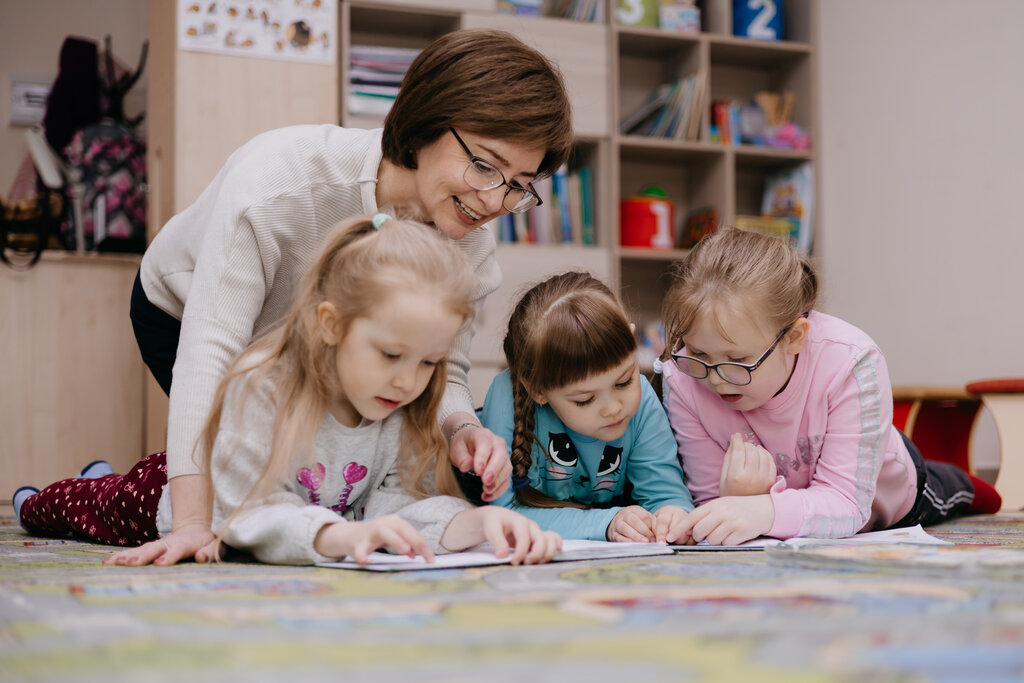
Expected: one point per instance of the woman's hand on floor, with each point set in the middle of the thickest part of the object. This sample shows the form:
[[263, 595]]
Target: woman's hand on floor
[[193, 541]]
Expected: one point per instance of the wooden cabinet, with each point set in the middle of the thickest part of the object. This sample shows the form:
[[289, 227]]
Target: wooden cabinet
[[71, 378]]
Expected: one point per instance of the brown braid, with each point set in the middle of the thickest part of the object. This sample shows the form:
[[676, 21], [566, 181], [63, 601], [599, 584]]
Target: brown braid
[[523, 439]]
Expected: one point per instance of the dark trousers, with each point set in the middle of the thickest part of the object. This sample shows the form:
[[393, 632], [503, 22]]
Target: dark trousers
[[157, 334], [118, 509], [944, 491]]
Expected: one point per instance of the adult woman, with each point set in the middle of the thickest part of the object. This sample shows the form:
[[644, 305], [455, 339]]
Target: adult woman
[[479, 116]]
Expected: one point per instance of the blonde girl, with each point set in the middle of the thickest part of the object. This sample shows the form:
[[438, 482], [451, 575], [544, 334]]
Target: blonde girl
[[323, 441], [592, 453], [783, 414], [480, 116]]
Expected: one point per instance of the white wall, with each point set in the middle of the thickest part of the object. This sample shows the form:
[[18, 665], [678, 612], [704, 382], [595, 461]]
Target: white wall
[[31, 34], [921, 160]]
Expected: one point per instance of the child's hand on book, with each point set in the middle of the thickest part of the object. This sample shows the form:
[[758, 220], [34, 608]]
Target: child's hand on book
[[747, 469], [358, 539], [666, 519], [512, 535], [727, 521], [632, 523]]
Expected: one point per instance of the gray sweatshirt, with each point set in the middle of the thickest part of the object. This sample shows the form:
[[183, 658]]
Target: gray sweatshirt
[[351, 475]]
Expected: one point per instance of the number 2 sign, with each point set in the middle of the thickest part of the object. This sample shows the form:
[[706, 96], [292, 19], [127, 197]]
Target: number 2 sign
[[757, 19]]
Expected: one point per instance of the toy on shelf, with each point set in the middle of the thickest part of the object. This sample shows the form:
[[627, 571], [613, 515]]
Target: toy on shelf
[[766, 121], [699, 224], [646, 220], [757, 19]]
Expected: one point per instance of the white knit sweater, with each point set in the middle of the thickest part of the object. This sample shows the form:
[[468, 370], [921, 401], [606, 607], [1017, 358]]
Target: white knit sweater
[[230, 265]]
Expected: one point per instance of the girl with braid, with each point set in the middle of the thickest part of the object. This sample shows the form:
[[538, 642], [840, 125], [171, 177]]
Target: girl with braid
[[593, 455]]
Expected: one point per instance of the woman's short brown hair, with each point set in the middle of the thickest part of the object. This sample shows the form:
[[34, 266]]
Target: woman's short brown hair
[[485, 82]]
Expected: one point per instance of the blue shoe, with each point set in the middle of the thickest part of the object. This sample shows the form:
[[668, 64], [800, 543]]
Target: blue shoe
[[96, 469], [20, 496]]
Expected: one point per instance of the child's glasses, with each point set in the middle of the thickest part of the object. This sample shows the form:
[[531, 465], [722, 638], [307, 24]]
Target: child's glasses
[[738, 374], [483, 175]]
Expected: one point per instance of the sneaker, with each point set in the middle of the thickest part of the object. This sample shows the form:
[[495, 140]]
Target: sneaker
[[96, 469], [20, 496]]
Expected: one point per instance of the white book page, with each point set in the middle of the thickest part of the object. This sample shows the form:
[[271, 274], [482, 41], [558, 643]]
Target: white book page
[[572, 550], [911, 534]]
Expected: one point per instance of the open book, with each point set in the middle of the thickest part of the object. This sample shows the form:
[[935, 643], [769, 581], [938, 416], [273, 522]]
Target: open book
[[483, 555], [913, 534]]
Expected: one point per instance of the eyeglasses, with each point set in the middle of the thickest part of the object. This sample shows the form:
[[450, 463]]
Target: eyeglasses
[[738, 374], [483, 175]]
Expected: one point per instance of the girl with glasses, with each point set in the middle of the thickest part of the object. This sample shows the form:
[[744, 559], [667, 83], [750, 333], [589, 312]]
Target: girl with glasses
[[592, 452], [783, 414], [225, 270]]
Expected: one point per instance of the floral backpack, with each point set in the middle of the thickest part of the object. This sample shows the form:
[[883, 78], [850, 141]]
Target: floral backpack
[[107, 188]]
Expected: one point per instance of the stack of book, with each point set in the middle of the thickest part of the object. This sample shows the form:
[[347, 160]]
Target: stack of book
[[565, 217], [672, 111], [579, 10], [375, 74]]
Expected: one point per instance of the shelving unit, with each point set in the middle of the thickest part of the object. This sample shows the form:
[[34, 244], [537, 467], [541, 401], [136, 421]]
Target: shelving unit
[[728, 177], [610, 69]]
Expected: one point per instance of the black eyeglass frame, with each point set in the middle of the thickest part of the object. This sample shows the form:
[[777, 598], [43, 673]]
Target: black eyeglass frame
[[682, 360], [474, 159]]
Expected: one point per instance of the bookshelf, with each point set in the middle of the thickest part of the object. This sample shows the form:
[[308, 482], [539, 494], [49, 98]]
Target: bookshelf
[[610, 69], [694, 174]]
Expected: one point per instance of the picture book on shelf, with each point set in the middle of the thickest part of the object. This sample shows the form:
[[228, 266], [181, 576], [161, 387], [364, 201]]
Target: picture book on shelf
[[671, 111], [789, 194]]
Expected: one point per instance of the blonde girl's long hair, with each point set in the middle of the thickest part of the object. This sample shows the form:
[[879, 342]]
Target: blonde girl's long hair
[[739, 270], [563, 330], [358, 269]]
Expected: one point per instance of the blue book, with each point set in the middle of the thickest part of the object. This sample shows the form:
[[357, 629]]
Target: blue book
[[587, 204], [560, 182]]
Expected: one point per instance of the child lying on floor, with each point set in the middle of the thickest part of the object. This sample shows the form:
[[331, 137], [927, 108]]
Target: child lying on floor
[[783, 414], [323, 442]]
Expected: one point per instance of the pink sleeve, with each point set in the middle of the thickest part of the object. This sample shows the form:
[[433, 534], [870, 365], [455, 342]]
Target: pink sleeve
[[701, 455], [837, 502]]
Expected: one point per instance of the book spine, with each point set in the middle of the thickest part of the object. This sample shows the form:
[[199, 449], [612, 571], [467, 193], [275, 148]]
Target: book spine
[[560, 183], [587, 205]]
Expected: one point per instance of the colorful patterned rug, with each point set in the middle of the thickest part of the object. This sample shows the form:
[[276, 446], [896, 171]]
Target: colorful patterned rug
[[707, 616]]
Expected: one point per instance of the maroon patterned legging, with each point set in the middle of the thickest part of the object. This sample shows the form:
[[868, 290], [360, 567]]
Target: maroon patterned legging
[[118, 509]]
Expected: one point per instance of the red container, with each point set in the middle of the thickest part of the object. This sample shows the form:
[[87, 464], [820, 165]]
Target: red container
[[646, 222]]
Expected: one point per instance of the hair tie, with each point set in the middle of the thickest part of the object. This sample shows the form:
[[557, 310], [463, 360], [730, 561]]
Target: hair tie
[[657, 365], [380, 219], [520, 483]]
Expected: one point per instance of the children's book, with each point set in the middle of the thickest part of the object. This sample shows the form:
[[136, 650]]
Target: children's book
[[483, 555], [642, 119], [945, 559], [790, 195], [914, 535]]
